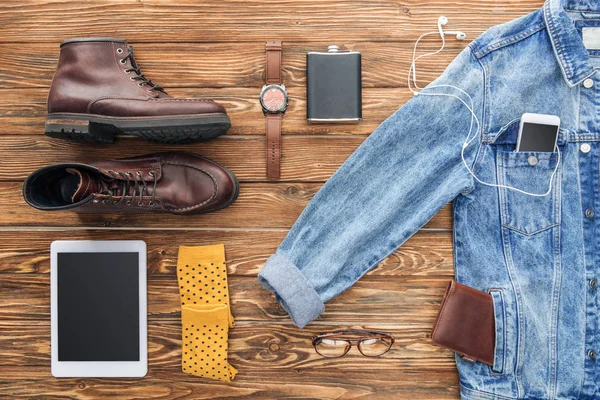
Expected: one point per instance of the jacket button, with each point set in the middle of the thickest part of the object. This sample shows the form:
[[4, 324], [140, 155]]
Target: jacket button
[[589, 213], [588, 83], [585, 148], [593, 283], [591, 354], [532, 160]]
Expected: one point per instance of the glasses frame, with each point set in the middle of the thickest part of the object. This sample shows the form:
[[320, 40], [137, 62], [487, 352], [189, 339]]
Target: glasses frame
[[359, 336]]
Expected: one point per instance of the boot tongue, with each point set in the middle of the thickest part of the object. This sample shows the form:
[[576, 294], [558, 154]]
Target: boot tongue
[[82, 184]]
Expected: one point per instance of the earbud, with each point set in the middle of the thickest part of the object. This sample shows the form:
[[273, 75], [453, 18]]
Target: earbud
[[459, 35], [443, 21]]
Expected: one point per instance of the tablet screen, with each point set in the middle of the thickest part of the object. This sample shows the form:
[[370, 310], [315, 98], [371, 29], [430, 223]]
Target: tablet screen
[[98, 307]]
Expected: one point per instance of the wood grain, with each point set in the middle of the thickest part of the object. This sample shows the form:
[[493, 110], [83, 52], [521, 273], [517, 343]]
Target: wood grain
[[304, 158], [169, 384], [214, 49], [283, 203], [179, 65], [426, 254], [191, 21]]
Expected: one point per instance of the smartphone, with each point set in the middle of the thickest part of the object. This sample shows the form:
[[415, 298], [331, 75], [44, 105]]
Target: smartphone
[[538, 132]]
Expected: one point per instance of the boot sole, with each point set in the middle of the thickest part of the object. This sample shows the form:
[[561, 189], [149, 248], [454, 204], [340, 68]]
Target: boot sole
[[175, 129]]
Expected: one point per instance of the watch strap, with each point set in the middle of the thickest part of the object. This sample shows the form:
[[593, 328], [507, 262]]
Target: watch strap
[[273, 121], [273, 74], [273, 126]]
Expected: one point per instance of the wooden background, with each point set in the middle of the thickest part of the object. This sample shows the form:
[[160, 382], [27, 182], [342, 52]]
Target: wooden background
[[215, 48]]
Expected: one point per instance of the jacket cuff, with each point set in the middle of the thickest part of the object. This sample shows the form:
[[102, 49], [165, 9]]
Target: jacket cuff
[[291, 289]]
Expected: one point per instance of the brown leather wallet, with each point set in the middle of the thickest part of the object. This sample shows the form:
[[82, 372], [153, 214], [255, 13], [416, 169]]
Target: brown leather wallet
[[465, 323]]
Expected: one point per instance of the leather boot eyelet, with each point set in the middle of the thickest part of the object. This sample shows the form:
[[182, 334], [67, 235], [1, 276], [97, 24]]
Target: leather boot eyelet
[[119, 50], [103, 201], [95, 201], [115, 202], [127, 71], [128, 202], [152, 204], [140, 203], [140, 84], [123, 61], [149, 90]]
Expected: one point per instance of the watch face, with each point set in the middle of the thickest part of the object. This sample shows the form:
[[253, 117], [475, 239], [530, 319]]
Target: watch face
[[274, 99]]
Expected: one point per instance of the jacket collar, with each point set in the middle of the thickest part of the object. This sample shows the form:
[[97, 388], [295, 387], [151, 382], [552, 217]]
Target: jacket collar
[[568, 46]]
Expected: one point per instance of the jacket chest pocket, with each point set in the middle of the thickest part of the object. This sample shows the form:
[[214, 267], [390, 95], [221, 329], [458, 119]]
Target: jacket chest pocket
[[531, 172]]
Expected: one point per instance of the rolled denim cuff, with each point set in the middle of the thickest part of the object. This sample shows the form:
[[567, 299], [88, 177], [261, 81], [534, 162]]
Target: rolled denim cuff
[[292, 289]]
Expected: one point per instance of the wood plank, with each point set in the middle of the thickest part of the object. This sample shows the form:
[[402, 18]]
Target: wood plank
[[425, 254], [253, 348], [282, 203], [305, 384], [406, 299], [230, 21], [309, 159], [231, 65], [23, 111]]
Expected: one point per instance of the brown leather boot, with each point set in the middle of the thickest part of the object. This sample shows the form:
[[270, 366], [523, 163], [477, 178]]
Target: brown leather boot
[[98, 91], [178, 183]]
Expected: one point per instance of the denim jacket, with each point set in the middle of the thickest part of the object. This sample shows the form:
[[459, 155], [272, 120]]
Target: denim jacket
[[539, 257]]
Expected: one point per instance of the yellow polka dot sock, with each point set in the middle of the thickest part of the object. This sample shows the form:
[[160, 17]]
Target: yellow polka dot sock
[[205, 312]]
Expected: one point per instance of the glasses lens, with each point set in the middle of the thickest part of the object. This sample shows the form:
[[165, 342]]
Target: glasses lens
[[331, 347], [375, 346]]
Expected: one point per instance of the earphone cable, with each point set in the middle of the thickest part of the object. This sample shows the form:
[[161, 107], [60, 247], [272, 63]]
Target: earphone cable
[[468, 140]]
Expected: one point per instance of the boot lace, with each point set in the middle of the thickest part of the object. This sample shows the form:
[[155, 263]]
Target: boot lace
[[139, 187], [139, 76]]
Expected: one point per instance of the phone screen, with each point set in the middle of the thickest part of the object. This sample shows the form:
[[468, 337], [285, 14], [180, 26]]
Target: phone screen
[[538, 137]]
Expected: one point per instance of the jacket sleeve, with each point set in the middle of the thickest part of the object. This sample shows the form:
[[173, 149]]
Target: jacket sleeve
[[395, 182]]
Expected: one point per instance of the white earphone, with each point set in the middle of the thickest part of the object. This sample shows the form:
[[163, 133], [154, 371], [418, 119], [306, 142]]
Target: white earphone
[[443, 21], [419, 91]]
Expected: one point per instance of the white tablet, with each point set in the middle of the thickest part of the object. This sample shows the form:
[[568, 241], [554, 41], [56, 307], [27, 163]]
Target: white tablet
[[98, 308]]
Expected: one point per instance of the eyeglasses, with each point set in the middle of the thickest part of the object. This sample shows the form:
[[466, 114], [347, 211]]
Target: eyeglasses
[[338, 343]]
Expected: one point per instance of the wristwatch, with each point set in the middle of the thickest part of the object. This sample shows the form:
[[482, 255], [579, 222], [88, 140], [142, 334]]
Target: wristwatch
[[274, 101]]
